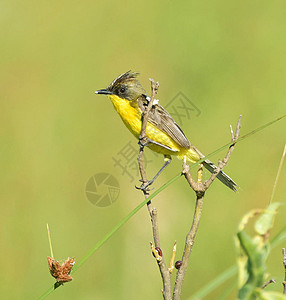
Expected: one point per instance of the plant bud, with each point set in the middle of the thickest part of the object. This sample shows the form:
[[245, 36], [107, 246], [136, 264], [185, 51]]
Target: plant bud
[[178, 264]]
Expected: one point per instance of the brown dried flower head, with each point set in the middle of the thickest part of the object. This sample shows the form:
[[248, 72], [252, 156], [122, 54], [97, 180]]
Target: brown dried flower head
[[61, 271]]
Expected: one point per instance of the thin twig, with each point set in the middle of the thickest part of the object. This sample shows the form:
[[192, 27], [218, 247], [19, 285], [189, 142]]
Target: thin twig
[[284, 264], [167, 293], [223, 163], [200, 189], [172, 261], [268, 282]]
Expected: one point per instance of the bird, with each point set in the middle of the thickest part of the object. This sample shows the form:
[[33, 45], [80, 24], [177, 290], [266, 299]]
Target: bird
[[163, 134]]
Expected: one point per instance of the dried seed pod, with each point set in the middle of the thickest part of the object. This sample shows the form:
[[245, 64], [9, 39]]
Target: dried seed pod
[[61, 272]]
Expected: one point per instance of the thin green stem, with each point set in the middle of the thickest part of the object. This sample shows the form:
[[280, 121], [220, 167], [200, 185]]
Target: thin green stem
[[47, 293], [50, 241], [278, 174]]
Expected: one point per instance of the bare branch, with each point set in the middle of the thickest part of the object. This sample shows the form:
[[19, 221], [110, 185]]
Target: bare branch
[[200, 189], [167, 292], [190, 239], [142, 138]]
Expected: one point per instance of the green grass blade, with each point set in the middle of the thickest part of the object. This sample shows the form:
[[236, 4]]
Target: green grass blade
[[228, 290], [280, 237], [278, 174], [212, 285], [47, 293]]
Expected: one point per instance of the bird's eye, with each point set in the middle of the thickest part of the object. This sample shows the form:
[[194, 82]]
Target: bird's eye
[[122, 90]]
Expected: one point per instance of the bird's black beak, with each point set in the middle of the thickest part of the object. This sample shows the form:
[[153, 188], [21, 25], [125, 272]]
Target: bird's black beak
[[103, 91]]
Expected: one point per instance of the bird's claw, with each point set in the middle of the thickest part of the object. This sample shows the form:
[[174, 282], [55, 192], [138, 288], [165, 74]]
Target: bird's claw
[[144, 186], [143, 142]]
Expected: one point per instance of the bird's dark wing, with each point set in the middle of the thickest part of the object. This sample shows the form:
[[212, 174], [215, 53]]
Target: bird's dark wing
[[159, 117]]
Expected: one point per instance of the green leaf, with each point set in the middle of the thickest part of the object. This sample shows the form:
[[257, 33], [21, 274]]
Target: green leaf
[[265, 221], [245, 219], [255, 266], [253, 251]]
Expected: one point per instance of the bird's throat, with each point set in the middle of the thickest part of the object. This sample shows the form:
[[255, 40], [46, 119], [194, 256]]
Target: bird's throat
[[129, 113]]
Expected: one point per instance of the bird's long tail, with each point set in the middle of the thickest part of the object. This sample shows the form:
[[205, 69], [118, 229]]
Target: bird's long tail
[[225, 179]]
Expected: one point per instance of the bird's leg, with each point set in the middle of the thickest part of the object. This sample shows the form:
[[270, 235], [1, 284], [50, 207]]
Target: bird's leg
[[167, 159]]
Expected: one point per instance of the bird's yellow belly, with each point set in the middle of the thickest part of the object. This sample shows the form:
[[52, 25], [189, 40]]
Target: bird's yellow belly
[[131, 116]]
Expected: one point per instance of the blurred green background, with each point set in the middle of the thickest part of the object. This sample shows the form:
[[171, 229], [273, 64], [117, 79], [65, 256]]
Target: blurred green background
[[227, 57]]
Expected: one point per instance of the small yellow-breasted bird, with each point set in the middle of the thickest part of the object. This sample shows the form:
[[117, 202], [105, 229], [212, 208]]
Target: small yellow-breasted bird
[[164, 134]]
